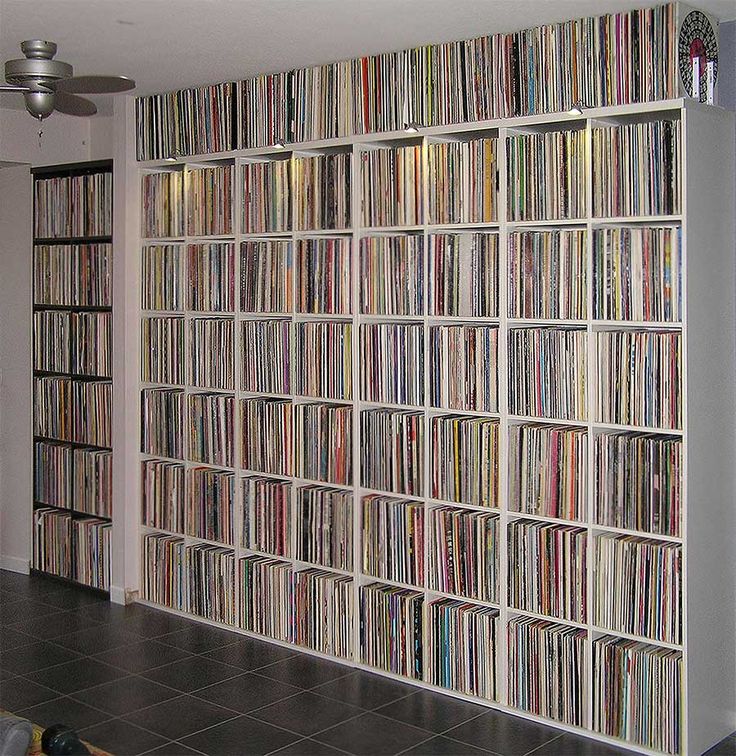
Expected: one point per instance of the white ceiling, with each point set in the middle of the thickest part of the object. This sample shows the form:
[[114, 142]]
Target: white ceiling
[[170, 44]]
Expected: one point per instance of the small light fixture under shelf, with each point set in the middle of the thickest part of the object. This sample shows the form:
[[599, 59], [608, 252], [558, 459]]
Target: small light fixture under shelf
[[279, 144], [170, 159], [576, 109], [411, 128]]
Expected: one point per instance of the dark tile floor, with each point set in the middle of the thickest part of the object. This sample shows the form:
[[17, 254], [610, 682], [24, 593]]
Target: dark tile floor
[[132, 680]]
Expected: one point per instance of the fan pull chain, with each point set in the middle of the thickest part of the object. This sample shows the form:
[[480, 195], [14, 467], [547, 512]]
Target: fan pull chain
[[40, 132]]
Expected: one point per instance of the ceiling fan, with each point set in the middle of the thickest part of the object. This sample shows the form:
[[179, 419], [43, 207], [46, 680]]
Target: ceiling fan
[[49, 84]]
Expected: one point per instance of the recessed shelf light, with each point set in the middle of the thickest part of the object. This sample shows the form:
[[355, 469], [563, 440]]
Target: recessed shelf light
[[278, 144], [411, 128], [576, 109]]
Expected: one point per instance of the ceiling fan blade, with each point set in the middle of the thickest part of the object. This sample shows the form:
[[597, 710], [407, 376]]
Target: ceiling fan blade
[[94, 84], [12, 88], [73, 105]]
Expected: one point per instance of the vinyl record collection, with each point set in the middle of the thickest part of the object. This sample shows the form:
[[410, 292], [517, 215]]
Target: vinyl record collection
[[52, 341], [548, 275], [393, 539], [266, 197], [464, 456], [547, 569], [547, 372], [52, 541], [211, 277], [547, 669], [324, 352], [161, 277], [392, 186], [73, 206], [322, 192], [547, 471], [463, 181], [464, 553], [210, 504], [323, 275], [546, 175], [464, 372], [78, 275], [267, 436], [162, 205], [92, 553], [324, 527], [266, 276], [211, 428], [163, 422], [637, 693], [463, 275], [212, 353], [162, 350], [638, 482], [324, 449], [93, 482], [392, 357], [639, 377], [613, 59], [267, 515], [208, 196], [52, 474], [410, 359], [93, 336], [162, 500], [638, 273], [638, 587], [391, 629], [636, 169], [323, 612], [265, 356], [392, 275], [462, 647], [392, 451]]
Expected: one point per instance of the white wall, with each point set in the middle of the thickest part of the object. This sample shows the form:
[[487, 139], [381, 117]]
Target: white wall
[[66, 139], [15, 364]]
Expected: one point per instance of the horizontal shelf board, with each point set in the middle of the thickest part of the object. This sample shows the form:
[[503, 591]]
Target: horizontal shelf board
[[244, 315], [151, 241], [546, 420], [434, 594], [299, 481], [300, 566], [387, 405], [604, 631], [635, 533], [243, 394], [248, 551], [579, 323], [254, 235], [665, 324], [548, 618], [73, 444], [163, 313], [40, 306], [71, 240], [544, 518], [365, 491], [637, 428], [493, 225], [307, 317], [191, 239], [190, 539], [194, 389], [145, 385], [602, 220], [366, 579], [304, 399], [146, 457], [381, 230], [520, 225], [462, 319], [378, 318], [75, 376], [306, 233], [435, 503], [440, 411], [75, 513], [68, 170]]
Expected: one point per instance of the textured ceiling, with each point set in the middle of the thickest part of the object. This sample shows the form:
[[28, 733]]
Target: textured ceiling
[[169, 44]]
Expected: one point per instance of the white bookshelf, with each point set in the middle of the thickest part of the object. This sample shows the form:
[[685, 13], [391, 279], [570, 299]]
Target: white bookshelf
[[707, 395]]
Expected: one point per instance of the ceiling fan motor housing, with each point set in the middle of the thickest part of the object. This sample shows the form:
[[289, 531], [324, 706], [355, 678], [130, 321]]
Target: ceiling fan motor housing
[[38, 68]]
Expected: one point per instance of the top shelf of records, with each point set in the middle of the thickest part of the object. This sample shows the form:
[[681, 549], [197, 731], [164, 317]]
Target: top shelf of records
[[633, 172], [609, 60], [73, 203]]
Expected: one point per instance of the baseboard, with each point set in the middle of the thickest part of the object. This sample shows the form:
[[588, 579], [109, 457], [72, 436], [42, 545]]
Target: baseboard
[[122, 596], [15, 564]]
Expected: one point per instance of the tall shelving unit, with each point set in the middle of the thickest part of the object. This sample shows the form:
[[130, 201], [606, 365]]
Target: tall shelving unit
[[326, 554], [72, 372]]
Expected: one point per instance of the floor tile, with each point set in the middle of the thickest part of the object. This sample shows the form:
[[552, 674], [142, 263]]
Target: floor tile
[[199, 639], [77, 675], [120, 737], [240, 736], [35, 656], [249, 654], [503, 733], [307, 747], [10, 638], [431, 711], [63, 624], [72, 600], [96, 639], [568, 743], [143, 655], [150, 623], [172, 749], [373, 735], [305, 671], [441, 746], [179, 717], [727, 747], [28, 610], [18, 693], [306, 713], [66, 711], [365, 690], [247, 692], [124, 696], [191, 673]]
